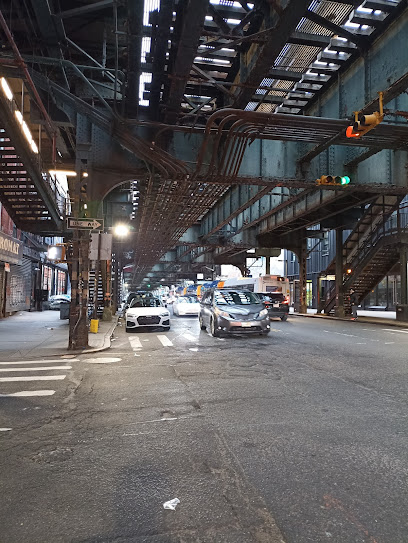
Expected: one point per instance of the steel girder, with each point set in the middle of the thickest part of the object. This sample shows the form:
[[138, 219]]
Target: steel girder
[[282, 25], [193, 21]]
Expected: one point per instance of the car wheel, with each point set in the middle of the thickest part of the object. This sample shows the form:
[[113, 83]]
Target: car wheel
[[202, 325], [214, 331], [284, 318], [265, 333]]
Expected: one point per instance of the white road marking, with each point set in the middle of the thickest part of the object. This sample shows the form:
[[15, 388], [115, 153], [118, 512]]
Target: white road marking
[[389, 343], [5, 429], [37, 362], [135, 343], [195, 349], [189, 337], [46, 368], [164, 340], [36, 378], [27, 393], [393, 330], [103, 360], [361, 343], [340, 333]]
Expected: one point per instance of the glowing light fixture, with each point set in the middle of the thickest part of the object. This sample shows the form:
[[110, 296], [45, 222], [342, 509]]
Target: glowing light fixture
[[26, 131], [68, 173], [121, 230], [6, 89]]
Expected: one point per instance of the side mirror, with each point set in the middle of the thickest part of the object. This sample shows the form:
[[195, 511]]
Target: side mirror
[[165, 305]]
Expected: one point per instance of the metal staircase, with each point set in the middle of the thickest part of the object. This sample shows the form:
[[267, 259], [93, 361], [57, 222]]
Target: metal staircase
[[370, 251], [30, 197]]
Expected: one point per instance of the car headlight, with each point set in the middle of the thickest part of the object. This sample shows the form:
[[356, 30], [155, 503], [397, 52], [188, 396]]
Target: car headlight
[[222, 313], [165, 314], [263, 313]]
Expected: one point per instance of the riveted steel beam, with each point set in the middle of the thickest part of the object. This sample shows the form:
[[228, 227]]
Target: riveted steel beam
[[193, 23], [264, 56]]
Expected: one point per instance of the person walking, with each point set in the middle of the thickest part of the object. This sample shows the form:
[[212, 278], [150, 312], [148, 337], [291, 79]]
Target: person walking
[[354, 304]]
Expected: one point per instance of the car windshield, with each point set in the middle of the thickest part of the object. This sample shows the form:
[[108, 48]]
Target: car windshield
[[235, 297], [145, 302], [187, 300], [272, 297]]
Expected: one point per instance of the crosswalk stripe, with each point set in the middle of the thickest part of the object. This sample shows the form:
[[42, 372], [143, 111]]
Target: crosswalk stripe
[[38, 362], [31, 378], [165, 341], [135, 343], [47, 368], [394, 330], [27, 393], [189, 337]]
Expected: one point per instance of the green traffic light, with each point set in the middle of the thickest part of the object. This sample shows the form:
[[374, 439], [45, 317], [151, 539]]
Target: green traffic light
[[345, 180]]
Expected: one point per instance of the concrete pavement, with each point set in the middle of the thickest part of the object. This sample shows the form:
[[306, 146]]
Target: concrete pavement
[[42, 334], [387, 318]]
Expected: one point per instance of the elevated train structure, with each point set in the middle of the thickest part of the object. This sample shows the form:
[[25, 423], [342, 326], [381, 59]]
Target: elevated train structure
[[217, 117]]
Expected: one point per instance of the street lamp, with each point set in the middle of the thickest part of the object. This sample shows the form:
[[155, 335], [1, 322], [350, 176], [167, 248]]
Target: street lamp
[[121, 230]]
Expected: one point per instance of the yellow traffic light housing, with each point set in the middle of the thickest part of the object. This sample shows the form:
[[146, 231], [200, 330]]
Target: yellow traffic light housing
[[333, 180], [364, 123]]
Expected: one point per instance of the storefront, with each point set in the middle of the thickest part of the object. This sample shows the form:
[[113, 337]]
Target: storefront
[[15, 280]]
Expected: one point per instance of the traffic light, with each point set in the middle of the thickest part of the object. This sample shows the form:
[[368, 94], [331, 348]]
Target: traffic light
[[333, 180], [364, 123]]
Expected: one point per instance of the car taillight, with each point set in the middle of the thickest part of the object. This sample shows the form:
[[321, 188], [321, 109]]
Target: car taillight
[[285, 301]]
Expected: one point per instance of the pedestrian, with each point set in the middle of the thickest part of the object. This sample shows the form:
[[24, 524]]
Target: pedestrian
[[354, 304]]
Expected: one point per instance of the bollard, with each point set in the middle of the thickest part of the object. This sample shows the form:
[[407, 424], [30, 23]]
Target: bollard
[[94, 326]]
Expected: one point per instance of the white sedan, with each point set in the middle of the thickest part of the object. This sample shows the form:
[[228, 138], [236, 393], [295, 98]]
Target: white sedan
[[186, 305], [147, 312]]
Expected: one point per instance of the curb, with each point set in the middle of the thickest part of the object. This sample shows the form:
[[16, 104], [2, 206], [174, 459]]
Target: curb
[[106, 343], [364, 320], [106, 340]]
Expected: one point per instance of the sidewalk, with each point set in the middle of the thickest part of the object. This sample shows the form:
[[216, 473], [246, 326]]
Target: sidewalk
[[387, 318], [43, 334]]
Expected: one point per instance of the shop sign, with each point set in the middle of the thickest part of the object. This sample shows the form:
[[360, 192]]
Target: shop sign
[[11, 250]]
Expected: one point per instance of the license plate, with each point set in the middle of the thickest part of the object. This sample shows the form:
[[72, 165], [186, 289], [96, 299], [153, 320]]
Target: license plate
[[275, 305], [246, 324]]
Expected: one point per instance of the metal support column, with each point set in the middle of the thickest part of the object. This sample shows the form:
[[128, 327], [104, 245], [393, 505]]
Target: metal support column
[[339, 310], [302, 277], [402, 308], [79, 265], [268, 266]]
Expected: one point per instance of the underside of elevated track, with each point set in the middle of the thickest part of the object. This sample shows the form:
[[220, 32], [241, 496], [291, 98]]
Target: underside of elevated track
[[202, 124]]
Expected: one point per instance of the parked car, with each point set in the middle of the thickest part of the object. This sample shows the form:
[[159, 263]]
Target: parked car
[[54, 302], [233, 311], [276, 303], [186, 305], [147, 312]]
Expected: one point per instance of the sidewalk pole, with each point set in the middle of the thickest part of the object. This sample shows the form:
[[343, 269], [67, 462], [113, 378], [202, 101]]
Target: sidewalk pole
[[339, 311]]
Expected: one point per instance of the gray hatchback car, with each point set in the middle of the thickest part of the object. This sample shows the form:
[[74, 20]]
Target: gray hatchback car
[[233, 311]]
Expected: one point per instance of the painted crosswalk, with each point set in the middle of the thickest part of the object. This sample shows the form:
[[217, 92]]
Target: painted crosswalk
[[31, 372], [139, 343]]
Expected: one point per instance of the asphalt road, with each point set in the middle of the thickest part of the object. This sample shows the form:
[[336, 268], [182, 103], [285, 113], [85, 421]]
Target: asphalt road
[[297, 437]]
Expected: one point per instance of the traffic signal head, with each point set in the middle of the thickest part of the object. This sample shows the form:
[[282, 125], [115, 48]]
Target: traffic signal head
[[333, 180], [363, 124], [325, 180]]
